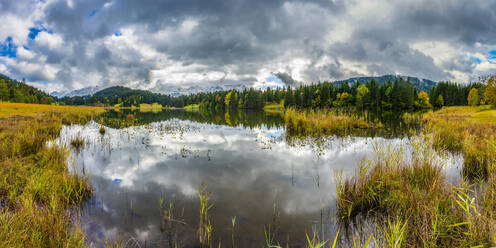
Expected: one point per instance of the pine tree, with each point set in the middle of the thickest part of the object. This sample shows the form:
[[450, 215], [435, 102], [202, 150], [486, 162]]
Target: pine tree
[[4, 91]]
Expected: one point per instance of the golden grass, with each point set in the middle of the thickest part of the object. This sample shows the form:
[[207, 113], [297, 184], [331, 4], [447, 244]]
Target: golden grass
[[467, 130], [36, 187], [324, 122], [414, 192]]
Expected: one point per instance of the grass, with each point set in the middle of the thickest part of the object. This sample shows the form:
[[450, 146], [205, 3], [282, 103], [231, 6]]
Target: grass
[[467, 130], [36, 186], [275, 106], [102, 130], [411, 201], [77, 143], [324, 122], [192, 106]]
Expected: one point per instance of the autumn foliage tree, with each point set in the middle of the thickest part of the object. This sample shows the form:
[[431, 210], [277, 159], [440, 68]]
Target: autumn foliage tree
[[423, 100], [490, 94], [473, 97]]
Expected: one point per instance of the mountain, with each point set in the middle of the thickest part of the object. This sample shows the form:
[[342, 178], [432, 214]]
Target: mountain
[[88, 91], [176, 91], [419, 83]]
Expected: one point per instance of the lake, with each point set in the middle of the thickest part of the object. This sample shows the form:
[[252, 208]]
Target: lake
[[148, 167]]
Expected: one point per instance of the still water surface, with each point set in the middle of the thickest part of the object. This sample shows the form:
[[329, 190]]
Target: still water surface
[[269, 183]]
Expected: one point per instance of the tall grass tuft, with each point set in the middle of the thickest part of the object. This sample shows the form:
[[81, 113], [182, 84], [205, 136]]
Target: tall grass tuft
[[412, 201]]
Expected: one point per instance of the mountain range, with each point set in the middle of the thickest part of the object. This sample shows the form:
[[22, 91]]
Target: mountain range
[[419, 83], [175, 91], [87, 91]]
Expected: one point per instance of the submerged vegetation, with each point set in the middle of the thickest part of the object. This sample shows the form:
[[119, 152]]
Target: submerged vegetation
[[37, 188]]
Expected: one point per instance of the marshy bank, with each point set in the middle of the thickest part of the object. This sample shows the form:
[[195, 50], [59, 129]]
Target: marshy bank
[[37, 189], [349, 122], [413, 198]]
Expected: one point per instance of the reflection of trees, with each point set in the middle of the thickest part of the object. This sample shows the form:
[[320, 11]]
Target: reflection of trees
[[246, 119]]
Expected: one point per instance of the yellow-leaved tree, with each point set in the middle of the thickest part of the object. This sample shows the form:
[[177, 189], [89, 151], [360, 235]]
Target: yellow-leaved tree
[[423, 100], [473, 97], [490, 93]]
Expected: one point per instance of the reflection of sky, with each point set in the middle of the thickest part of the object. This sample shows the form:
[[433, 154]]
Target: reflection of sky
[[250, 172]]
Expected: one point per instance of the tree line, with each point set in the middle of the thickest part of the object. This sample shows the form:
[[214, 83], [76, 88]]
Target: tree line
[[18, 91], [391, 96]]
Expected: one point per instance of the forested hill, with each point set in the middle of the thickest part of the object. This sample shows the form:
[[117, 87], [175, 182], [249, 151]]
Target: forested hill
[[15, 91], [421, 84], [122, 96]]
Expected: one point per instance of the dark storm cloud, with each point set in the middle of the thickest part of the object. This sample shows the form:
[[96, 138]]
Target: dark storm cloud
[[218, 42], [463, 21], [287, 79]]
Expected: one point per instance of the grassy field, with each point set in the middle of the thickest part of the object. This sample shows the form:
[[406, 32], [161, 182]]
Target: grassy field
[[36, 188]]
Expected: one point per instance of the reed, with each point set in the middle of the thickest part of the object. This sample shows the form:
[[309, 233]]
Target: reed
[[77, 143], [462, 130], [205, 227], [412, 202]]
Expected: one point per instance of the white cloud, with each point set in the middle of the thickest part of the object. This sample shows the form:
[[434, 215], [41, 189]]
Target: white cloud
[[51, 41], [15, 27], [24, 54]]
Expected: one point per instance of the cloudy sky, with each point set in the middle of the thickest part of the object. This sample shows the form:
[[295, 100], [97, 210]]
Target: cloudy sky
[[162, 44]]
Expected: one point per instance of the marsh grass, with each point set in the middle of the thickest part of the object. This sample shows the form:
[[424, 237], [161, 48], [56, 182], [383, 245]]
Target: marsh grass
[[325, 122], [102, 130], [37, 188], [205, 227], [412, 202], [460, 130], [77, 143]]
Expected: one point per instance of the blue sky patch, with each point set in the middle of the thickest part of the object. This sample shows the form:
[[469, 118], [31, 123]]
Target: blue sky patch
[[492, 57], [475, 60], [93, 12], [117, 33], [273, 79], [8, 48], [34, 31]]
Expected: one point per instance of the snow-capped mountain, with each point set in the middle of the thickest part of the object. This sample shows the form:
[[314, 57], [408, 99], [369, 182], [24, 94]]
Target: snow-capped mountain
[[174, 90], [88, 91], [420, 83]]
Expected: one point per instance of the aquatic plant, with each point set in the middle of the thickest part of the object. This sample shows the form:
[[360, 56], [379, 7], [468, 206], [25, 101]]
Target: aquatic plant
[[77, 143], [102, 130], [205, 227], [413, 202]]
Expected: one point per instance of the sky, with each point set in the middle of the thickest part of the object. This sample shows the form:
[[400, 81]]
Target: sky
[[159, 45]]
